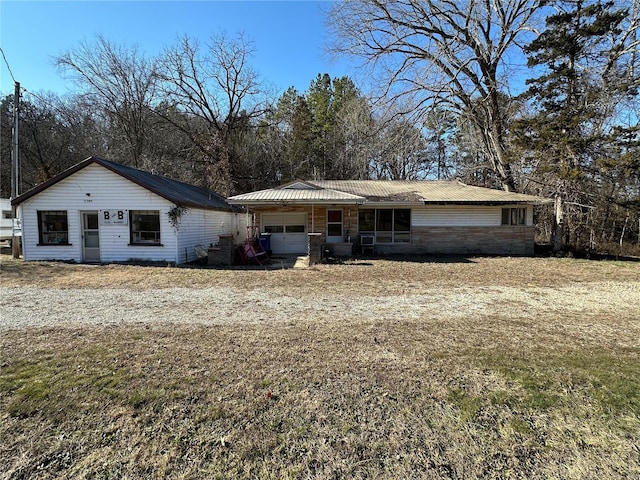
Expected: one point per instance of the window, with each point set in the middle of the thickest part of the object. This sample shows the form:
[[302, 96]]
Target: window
[[294, 228], [402, 226], [53, 228], [145, 227], [391, 225], [7, 215], [367, 220], [514, 216], [274, 229]]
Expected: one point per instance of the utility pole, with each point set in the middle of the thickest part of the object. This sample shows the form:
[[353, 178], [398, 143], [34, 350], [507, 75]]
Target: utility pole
[[15, 172]]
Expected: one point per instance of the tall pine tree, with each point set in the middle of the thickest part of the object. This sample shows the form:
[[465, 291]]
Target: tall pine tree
[[567, 135]]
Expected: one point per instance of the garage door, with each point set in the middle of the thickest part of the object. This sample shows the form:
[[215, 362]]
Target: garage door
[[288, 231]]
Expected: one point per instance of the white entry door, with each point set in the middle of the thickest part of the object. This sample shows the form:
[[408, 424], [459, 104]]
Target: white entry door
[[90, 237], [288, 231], [335, 232]]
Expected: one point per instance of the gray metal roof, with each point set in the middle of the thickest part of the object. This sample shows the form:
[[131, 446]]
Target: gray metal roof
[[180, 193], [384, 191], [296, 195]]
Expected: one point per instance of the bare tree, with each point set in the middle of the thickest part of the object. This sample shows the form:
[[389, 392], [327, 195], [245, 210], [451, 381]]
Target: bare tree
[[356, 126], [401, 151], [219, 93], [121, 82], [446, 54]]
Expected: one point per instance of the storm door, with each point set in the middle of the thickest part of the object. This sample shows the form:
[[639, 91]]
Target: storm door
[[335, 232], [90, 238]]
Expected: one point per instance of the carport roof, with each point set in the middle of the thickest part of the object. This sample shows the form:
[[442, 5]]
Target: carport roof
[[383, 192]]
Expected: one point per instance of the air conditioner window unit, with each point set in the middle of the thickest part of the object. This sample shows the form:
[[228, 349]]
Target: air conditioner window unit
[[367, 240]]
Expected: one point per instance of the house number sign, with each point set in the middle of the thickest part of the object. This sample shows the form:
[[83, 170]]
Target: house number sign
[[114, 217]]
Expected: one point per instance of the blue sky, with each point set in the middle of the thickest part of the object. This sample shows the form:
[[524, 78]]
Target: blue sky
[[289, 36]]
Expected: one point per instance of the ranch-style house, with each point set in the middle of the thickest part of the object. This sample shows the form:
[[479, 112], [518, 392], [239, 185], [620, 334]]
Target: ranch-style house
[[382, 216]]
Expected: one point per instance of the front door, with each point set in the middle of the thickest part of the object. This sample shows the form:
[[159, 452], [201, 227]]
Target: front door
[[335, 232], [90, 237]]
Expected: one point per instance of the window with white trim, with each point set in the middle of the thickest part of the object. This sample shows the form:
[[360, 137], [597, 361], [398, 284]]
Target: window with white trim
[[514, 216], [388, 225], [144, 227], [53, 228]]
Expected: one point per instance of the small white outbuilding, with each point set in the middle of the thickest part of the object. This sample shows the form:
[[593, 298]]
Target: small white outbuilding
[[99, 212]]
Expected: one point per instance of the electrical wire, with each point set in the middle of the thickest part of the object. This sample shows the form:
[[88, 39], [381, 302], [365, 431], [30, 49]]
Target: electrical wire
[[7, 64]]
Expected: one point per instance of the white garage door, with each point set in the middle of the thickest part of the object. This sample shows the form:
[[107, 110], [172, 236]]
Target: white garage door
[[288, 231]]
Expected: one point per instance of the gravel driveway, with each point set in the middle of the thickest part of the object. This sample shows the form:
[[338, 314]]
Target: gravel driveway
[[35, 306]]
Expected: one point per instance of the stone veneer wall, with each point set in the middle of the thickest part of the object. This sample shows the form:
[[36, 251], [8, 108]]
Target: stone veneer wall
[[501, 240], [314, 247], [222, 254]]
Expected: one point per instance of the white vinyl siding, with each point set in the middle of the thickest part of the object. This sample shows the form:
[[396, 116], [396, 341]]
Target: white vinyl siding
[[106, 191], [462, 216], [204, 227]]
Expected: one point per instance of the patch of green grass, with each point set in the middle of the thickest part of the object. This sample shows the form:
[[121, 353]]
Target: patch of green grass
[[468, 405], [265, 382], [28, 385], [521, 426], [610, 381], [614, 380], [49, 385]]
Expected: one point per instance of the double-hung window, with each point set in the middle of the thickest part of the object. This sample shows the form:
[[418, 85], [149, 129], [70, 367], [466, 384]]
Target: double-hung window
[[389, 225], [53, 228], [514, 216], [144, 227]]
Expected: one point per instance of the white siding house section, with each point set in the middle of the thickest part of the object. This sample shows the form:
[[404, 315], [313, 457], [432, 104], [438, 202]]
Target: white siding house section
[[204, 227], [92, 189], [462, 215], [95, 189]]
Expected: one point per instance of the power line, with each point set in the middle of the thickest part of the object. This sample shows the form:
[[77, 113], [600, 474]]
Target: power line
[[8, 67]]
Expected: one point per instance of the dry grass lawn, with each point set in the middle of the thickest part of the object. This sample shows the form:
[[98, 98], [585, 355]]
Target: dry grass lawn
[[553, 393]]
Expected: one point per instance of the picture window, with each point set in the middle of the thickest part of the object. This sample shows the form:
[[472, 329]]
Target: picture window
[[53, 228], [145, 227], [390, 225]]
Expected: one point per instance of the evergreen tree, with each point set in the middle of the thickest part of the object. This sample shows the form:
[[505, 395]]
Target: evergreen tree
[[567, 136]]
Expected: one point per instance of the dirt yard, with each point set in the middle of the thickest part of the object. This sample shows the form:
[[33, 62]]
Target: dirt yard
[[431, 368]]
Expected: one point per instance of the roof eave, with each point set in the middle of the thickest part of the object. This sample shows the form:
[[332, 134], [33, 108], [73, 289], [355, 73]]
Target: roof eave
[[52, 181], [231, 208], [482, 202], [255, 203]]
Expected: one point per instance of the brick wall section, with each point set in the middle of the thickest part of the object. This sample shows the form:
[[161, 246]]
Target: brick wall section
[[502, 240], [489, 240]]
